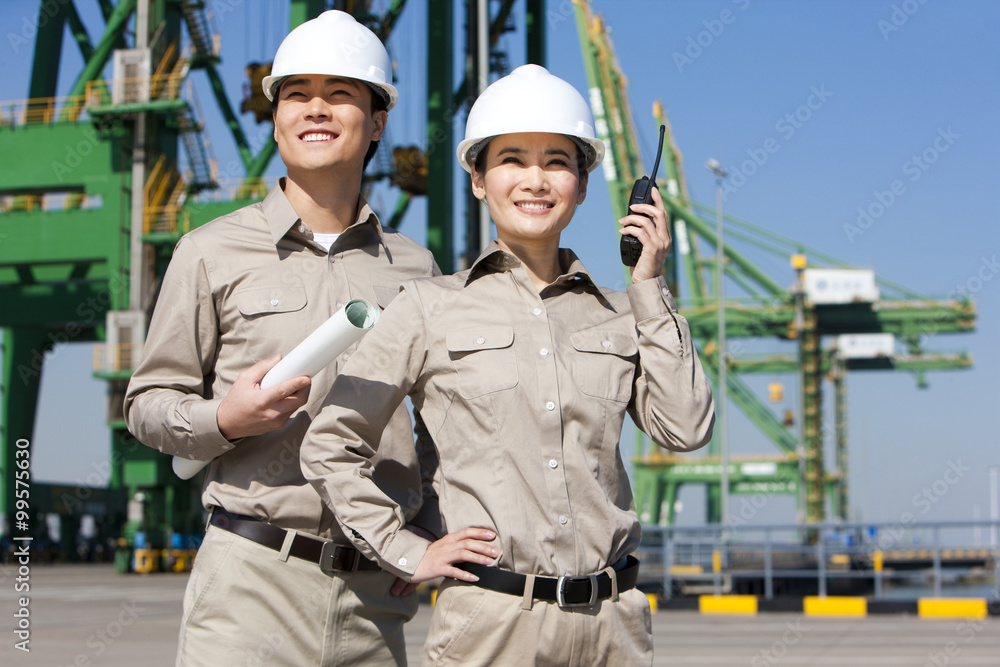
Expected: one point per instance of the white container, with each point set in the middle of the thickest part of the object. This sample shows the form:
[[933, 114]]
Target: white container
[[839, 286], [866, 346]]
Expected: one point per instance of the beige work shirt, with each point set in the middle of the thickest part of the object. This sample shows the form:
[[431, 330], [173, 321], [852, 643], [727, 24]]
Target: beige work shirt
[[524, 395], [242, 288]]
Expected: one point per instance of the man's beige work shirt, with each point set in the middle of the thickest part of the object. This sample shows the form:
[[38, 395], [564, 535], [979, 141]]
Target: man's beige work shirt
[[524, 395], [245, 287]]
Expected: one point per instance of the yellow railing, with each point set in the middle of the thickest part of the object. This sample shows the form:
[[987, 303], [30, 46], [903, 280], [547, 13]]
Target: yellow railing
[[153, 182], [22, 203], [250, 188], [40, 110], [170, 219], [48, 201], [113, 358], [157, 87], [162, 197]]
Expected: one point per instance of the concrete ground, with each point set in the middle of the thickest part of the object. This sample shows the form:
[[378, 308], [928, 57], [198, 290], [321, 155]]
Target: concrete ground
[[88, 616]]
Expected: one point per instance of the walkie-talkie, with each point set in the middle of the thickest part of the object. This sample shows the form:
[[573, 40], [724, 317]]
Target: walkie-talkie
[[642, 193]]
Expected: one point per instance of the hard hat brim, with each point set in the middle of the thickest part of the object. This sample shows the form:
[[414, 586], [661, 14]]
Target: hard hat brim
[[469, 149], [271, 84]]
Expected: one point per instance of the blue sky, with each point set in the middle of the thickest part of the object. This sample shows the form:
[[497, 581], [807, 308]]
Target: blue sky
[[847, 98]]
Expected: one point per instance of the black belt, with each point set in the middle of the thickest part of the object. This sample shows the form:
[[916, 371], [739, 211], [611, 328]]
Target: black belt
[[330, 556], [582, 591]]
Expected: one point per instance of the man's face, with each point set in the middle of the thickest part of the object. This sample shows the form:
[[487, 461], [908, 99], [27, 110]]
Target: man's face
[[325, 123]]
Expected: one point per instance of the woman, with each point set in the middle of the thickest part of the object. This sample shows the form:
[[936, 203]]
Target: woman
[[522, 369]]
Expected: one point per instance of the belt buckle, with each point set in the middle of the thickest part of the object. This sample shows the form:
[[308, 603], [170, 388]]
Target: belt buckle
[[561, 594], [328, 558]]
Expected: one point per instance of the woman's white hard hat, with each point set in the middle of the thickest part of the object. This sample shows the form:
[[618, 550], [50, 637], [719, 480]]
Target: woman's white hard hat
[[530, 99], [334, 44]]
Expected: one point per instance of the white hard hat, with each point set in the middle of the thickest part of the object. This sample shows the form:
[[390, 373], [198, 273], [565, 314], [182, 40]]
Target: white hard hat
[[334, 44], [530, 99]]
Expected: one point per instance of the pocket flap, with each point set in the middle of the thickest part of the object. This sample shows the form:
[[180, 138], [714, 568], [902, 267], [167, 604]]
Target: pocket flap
[[604, 342], [384, 294], [275, 299], [485, 338]]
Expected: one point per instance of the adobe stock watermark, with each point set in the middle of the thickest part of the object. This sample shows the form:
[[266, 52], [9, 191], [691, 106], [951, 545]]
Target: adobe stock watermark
[[988, 267], [30, 26], [222, 7], [913, 168], [965, 633], [901, 13], [774, 653], [102, 638], [697, 44], [922, 501], [787, 126], [564, 12], [92, 138]]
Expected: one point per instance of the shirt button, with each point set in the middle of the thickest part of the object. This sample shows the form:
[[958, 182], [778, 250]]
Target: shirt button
[[553, 464], [480, 340], [536, 312], [550, 406], [274, 302], [543, 352], [563, 519], [606, 344], [665, 291], [340, 304], [402, 562], [344, 357]]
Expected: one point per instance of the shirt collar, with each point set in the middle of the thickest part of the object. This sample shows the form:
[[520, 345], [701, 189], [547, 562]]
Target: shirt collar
[[495, 259], [282, 218]]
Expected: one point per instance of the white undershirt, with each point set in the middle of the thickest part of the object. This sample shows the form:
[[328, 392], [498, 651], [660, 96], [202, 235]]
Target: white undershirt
[[325, 240]]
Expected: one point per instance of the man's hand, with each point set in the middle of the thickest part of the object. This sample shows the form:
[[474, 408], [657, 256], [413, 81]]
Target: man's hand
[[249, 410], [469, 545]]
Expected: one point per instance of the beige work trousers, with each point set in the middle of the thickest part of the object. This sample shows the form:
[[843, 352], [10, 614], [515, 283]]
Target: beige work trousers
[[474, 626], [245, 607]]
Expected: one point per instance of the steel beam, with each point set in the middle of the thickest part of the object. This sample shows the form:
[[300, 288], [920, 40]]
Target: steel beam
[[48, 46], [534, 27], [440, 140], [95, 65], [23, 355]]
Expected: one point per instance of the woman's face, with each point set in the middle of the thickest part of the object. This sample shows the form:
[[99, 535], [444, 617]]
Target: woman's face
[[532, 184]]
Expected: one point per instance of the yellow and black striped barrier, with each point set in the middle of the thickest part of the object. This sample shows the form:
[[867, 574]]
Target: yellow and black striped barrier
[[835, 606]]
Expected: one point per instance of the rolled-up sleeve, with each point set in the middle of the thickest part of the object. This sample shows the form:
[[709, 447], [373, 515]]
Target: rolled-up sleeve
[[168, 404], [672, 398], [336, 454]]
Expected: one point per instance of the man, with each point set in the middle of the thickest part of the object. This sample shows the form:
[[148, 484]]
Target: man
[[276, 581]]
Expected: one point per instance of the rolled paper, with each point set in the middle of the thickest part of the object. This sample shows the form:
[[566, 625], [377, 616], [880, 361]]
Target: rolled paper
[[316, 352]]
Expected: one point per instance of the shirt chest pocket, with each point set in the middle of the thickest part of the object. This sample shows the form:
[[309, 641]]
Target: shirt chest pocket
[[484, 360], [604, 363], [384, 294], [268, 323]]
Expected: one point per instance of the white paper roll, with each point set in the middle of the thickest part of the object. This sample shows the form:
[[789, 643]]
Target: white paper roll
[[316, 352]]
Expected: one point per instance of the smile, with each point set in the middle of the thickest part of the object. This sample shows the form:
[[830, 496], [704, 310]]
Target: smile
[[533, 206], [316, 136]]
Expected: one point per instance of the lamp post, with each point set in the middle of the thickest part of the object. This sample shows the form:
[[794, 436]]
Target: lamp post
[[720, 268]]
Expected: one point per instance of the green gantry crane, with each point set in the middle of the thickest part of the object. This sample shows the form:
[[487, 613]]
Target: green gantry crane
[[92, 202], [803, 314]]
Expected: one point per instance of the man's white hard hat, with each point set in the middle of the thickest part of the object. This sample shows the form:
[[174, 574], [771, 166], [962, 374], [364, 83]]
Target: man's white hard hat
[[334, 44], [530, 99]]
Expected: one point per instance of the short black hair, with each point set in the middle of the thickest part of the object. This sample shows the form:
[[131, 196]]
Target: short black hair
[[378, 103]]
